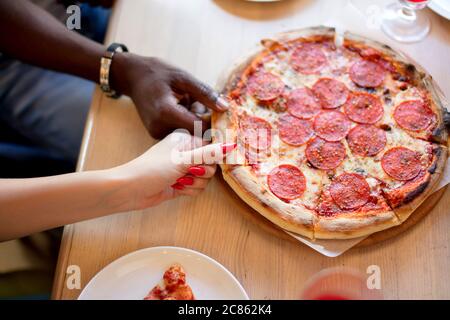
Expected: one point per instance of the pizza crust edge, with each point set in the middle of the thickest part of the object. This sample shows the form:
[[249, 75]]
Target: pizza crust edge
[[294, 219]]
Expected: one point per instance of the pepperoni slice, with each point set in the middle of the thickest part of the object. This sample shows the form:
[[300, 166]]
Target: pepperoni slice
[[363, 108], [366, 140], [331, 125], [413, 115], [308, 58], [302, 104], [295, 131], [331, 93], [367, 74], [265, 86], [257, 132], [325, 155], [401, 163], [350, 191], [287, 182]]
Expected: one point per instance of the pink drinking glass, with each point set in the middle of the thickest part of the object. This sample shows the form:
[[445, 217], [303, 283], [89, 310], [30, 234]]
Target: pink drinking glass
[[339, 284], [405, 22]]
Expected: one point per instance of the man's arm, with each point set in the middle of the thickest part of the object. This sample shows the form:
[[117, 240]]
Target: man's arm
[[32, 35]]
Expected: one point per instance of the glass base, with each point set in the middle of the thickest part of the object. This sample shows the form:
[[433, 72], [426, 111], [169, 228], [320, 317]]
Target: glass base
[[403, 24]]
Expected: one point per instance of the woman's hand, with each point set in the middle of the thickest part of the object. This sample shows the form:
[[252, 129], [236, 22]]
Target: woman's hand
[[166, 97], [177, 165]]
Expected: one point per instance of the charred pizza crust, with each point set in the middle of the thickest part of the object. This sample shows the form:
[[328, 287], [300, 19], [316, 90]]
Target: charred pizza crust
[[413, 196], [303, 220]]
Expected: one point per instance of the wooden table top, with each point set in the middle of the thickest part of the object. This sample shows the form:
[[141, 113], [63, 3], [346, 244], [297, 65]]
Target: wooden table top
[[205, 37]]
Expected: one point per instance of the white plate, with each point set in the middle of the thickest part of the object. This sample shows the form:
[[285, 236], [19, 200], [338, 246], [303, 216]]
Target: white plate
[[132, 276], [441, 7]]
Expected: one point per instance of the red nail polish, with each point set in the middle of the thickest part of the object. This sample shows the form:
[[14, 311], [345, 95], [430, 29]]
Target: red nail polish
[[227, 147], [197, 171], [186, 181], [177, 186]]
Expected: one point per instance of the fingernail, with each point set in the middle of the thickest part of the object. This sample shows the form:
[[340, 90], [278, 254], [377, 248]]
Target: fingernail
[[227, 147], [186, 181], [222, 103], [177, 186], [197, 171]]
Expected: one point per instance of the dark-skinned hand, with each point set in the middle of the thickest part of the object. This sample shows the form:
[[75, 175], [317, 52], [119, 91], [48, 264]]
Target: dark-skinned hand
[[165, 96]]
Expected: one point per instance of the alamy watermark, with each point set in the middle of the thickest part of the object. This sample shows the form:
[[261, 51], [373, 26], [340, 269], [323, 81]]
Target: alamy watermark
[[253, 145], [73, 21], [374, 277], [73, 280]]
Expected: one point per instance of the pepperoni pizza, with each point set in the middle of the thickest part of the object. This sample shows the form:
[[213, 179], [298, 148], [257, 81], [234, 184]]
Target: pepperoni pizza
[[338, 136]]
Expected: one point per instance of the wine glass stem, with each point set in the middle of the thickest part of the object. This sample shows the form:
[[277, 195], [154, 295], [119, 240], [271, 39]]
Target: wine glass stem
[[408, 14]]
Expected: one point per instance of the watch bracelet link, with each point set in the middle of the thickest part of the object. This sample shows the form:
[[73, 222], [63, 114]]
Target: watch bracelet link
[[105, 69]]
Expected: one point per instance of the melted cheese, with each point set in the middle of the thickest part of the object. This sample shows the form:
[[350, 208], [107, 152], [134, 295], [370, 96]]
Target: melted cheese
[[339, 62]]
